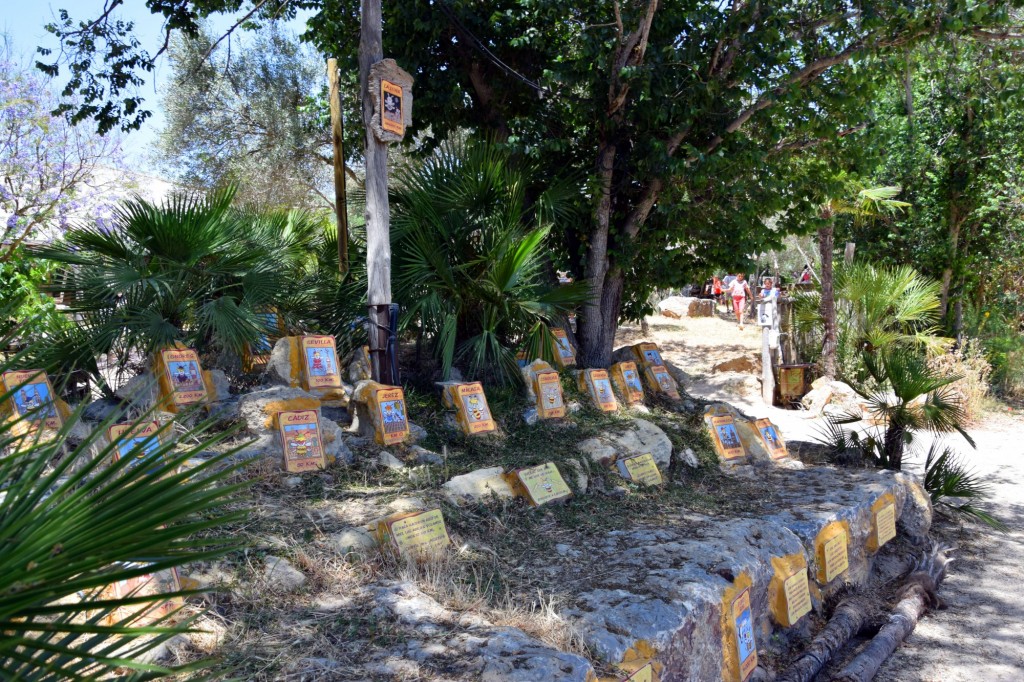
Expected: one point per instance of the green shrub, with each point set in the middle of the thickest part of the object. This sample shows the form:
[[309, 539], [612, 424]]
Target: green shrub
[[951, 483], [72, 525]]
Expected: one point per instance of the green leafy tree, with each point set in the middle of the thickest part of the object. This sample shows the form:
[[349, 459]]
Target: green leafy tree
[[72, 525], [194, 270], [471, 259]]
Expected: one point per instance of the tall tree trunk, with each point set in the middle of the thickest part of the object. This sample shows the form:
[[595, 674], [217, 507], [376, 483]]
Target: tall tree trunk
[[955, 222], [826, 239], [590, 331]]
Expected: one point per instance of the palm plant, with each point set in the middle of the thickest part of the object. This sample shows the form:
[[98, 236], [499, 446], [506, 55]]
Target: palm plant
[[73, 525], [862, 202], [950, 482], [470, 257], [193, 269]]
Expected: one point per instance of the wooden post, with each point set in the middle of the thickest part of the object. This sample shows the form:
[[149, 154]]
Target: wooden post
[[848, 253], [378, 217], [767, 372], [340, 194]]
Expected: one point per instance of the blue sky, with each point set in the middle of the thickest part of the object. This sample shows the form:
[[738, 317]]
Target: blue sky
[[23, 21]]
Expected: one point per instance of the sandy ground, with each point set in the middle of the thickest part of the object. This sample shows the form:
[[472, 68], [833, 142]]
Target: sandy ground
[[980, 634]]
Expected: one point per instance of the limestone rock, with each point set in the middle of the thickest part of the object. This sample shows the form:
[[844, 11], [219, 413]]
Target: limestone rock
[[815, 400], [279, 366], [740, 364], [416, 433], [256, 409], [335, 446], [641, 437], [686, 306], [217, 385], [689, 458], [281, 575], [386, 459], [844, 402], [579, 472], [424, 456], [479, 485], [101, 409], [139, 391], [352, 540]]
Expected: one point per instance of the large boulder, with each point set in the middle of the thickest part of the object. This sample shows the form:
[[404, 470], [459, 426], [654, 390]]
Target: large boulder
[[746, 364], [641, 437], [257, 410], [686, 306]]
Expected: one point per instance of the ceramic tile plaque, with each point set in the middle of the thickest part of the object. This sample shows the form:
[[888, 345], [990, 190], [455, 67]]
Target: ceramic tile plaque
[[146, 585], [320, 362], [393, 424], [627, 380], [641, 469], [138, 441], [773, 442], [540, 484], [727, 440], [473, 413], [661, 382], [548, 389], [885, 524], [565, 356], [33, 404], [597, 384], [837, 558], [416, 534], [744, 622], [301, 441], [798, 595], [183, 377], [644, 674], [648, 355]]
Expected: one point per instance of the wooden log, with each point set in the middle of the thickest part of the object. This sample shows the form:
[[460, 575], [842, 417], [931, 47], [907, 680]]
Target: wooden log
[[340, 191], [850, 617]]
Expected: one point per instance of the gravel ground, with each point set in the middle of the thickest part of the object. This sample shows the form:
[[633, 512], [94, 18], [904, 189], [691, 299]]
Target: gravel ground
[[979, 636]]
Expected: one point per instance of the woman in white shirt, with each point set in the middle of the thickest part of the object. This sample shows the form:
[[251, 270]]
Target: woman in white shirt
[[739, 290]]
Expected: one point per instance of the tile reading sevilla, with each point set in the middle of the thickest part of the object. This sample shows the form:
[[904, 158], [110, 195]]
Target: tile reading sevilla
[[548, 389], [837, 558], [301, 441], [798, 595], [627, 380], [416, 534], [885, 524], [183, 376], [541, 484], [727, 440], [641, 469], [772, 439], [320, 362], [745, 646]]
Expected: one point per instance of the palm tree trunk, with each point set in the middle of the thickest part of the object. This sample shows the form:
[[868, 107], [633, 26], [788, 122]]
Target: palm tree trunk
[[849, 618], [826, 243]]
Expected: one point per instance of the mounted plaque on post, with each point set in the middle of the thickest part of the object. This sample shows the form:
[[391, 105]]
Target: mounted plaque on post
[[392, 108], [301, 441], [181, 378]]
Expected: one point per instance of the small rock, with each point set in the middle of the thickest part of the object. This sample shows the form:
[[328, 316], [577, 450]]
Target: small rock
[[416, 433], [357, 540], [618, 492], [689, 458], [386, 459], [98, 410], [281, 575], [218, 385], [530, 416], [293, 481], [572, 407], [563, 549], [424, 456]]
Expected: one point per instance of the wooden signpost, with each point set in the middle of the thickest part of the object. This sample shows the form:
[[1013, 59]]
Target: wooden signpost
[[539, 485], [627, 380], [415, 534], [640, 469], [180, 377], [302, 443]]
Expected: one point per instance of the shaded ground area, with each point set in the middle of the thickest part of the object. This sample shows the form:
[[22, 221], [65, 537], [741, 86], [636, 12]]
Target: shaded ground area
[[980, 636]]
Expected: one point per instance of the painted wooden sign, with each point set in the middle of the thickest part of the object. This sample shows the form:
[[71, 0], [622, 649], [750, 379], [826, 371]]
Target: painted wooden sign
[[182, 378], [648, 355], [540, 484], [627, 379], [565, 356], [320, 362], [885, 524], [641, 469], [772, 439], [727, 439], [392, 113], [138, 441], [302, 443], [597, 384], [548, 389], [661, 382], [32, 403], [798, 595], [746, 648], [837, 557], [393, 423], [415, 534], [471, 409]]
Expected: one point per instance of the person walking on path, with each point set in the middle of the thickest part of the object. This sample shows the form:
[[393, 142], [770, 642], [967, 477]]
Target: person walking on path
[[739, 290], [716, 290]]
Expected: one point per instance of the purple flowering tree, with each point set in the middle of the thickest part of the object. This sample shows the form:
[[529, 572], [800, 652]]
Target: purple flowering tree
[[51, 172]]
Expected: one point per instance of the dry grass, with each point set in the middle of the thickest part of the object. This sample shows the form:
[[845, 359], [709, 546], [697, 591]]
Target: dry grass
[[972, 389]]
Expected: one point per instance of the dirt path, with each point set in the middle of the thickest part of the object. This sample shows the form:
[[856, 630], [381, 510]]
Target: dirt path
[[980, 636]]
